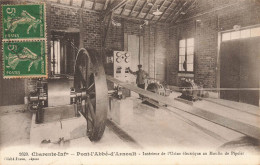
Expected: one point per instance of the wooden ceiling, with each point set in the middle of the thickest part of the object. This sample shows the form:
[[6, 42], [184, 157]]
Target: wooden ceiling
[[172, 10]]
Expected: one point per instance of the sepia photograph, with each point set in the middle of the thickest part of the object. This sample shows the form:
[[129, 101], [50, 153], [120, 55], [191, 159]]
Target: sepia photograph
[[130, 82]]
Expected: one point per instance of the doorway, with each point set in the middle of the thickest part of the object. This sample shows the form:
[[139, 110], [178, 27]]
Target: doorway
[[134, 44], [64, 48], [239, 68]]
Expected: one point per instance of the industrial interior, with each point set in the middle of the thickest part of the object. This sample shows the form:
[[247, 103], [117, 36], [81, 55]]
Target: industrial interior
[[200, 61]]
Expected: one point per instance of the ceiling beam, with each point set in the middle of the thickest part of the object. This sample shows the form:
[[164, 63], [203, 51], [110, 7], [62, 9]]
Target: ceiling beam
[[107, 28], [123, 9], [141, 9], [81, 28], [175, 8], [191, 7], [128, 18], [74, 7], [135, 19], [115, 5], [160, 7], [186, 10], [165, 11], [213, 10], [83, 3], [176, 15], [94, 5], [134, 7], [150, 9], [105, 5]]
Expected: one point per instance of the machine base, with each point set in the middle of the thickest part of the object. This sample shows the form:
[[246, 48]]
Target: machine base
[[58, 124], [121, 110]]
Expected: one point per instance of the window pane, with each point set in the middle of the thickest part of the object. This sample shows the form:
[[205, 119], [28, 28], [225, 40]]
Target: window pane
[[181, 59], [235, 35], [59, 62], [181, 67], [255, 32], [190, 59], [182, 43], [190, 50], [182, 51], [190, 67], [225, 36], [52, 56], [190, 42], [245, 33], [56, 57]]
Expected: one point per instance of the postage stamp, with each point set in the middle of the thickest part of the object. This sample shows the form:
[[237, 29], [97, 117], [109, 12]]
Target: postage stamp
[[24, 59], [23, 21]]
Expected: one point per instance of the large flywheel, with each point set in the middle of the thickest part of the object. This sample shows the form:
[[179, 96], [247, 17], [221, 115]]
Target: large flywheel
[[90, 81]]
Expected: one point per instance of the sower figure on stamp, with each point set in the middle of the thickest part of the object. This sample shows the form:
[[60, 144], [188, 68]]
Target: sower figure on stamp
[[141, 75]]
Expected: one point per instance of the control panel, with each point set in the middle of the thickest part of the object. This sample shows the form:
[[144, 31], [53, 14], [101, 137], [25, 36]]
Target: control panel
[[122, 61]]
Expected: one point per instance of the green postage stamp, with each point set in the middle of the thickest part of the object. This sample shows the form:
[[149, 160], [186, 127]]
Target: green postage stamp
[[24, 59], [23, 21], [24, 41]]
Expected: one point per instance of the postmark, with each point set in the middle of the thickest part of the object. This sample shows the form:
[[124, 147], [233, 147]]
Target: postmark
[[23, 21], [24, 59]]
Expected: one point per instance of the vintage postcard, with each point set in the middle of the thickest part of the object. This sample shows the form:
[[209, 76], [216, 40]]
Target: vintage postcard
[[129, 82]]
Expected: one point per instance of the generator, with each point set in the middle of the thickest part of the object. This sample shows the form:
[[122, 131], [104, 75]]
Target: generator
[[190, 90], [83, 94], [158, 88]]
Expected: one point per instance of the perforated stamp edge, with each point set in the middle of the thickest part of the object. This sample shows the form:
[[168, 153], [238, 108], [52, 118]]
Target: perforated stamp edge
[[26, 76], [25, 38], [21, 40]]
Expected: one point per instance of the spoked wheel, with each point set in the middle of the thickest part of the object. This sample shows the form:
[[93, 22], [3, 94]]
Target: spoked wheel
[[90, 80]]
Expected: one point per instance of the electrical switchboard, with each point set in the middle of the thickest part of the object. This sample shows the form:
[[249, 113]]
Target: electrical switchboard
[[122, 62]]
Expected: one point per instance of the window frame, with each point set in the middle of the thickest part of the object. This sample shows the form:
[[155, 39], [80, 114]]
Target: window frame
[[68, 48], [186, 55], [241, 36], [55, 56]]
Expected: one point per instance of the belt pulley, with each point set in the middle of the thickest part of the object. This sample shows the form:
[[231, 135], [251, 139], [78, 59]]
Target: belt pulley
[[89, 95], [90, 81]]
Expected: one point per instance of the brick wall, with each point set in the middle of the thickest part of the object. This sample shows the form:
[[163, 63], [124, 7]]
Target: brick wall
[[228, 14], [161, 41], [149, 48], [115, 36], [155, 44], [64, 18], [60, 17], [161, 51]]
